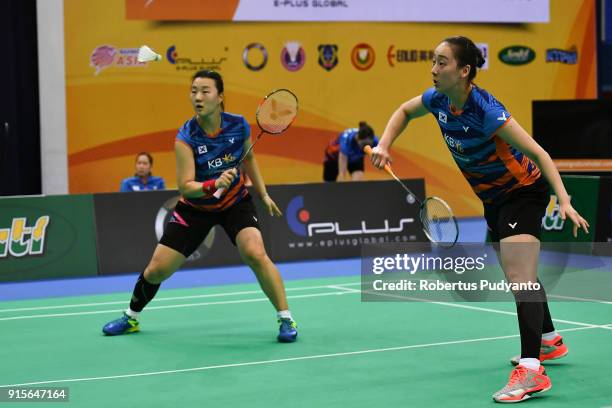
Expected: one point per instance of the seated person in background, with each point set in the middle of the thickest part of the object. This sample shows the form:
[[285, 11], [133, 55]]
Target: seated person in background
[[344, 153], [143, 179]]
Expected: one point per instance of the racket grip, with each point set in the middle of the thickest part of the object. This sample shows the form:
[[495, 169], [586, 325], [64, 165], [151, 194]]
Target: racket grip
[[367, 149], [219, 192]]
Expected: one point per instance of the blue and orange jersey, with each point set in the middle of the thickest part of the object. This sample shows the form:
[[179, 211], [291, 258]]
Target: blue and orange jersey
[[213, 154], [345, 142], [491, 166]]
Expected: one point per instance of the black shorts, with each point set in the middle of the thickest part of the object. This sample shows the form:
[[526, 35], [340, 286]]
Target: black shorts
[[330, 168], [189, 226], [519, 212]]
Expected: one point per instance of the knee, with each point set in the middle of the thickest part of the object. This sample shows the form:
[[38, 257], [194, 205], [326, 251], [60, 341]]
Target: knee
[[254, 256], [155, 272]]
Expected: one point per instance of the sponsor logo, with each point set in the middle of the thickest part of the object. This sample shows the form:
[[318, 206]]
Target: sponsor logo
[[517, 55], [298, 220], [328, 56], [363, 56], [563, 56], [401, 56], [255, 52], [105, 56], [293, 56], [453, 143], [512, 225], [20, 240], [194, 64], [466, 128], [442, 117], [503, 117], [552, 220], [228, 158], [202, 149], [215, 163]]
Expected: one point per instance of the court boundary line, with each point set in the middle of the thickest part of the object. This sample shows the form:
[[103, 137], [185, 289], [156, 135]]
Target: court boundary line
[[281, 360], [333, 286], [159, 299]]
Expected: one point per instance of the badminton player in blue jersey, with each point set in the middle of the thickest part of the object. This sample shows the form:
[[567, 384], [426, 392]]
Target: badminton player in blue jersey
[[344, 153], [509, 172], [207, 149]]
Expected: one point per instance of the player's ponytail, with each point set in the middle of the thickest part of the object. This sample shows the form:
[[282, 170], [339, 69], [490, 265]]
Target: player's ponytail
[[466, 53]]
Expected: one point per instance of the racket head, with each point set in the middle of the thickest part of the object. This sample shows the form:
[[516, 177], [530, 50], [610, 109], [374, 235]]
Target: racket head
[[277, 111], [439, 223]]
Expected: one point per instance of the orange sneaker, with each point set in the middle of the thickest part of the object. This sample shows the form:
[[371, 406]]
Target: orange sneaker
[[549, 350], [523, 384]]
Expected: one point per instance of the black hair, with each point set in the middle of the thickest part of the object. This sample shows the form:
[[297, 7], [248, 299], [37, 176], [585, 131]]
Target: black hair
[[215, 76], [365, 131], [145, 154], [466, 53]]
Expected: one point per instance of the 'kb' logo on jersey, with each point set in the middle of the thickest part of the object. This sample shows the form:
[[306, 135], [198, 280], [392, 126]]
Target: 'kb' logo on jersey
[[453, 143], [216, 163]]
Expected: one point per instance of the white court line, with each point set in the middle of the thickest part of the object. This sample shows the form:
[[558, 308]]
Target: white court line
[[226, 302], [162, 299], [343, 288], [483, 309], [280, 360], [262, 299], [605, 302]]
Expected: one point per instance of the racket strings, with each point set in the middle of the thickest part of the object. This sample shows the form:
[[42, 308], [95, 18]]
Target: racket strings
[[277, 111], [439, 221]]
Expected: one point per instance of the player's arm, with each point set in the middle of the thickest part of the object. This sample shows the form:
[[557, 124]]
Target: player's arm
[[514, 134], [409, 110], [342, 166], [252, 170], [185, 175]]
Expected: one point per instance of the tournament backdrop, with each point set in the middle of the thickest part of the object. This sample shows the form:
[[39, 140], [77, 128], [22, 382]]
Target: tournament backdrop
[[343, 72]]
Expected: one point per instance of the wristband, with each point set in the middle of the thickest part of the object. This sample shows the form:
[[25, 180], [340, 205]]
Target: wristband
[[208, 187]]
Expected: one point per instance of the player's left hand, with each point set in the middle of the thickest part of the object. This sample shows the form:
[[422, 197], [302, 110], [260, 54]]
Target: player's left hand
[[566, 210], [271, 206]]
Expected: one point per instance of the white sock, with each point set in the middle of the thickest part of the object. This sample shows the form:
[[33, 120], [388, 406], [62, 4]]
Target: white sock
[[283, 314], [530, 363], [549, 336], [132, 314]]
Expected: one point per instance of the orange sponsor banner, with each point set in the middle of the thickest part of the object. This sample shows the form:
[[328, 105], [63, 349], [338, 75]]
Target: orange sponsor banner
[[583, 164]]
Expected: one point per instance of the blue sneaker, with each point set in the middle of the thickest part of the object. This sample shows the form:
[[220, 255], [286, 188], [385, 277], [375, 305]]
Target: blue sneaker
[[287, 332], [125, 324]]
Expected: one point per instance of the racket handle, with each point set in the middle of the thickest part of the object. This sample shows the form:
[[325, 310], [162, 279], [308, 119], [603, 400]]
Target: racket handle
[[219, 192], [367, 149]]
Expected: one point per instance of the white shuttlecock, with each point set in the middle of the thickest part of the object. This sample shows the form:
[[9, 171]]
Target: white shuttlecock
[[146, 54]]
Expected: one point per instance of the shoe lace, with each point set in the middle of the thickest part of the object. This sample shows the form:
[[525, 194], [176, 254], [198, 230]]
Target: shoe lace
[[286, 323], [517, 375]]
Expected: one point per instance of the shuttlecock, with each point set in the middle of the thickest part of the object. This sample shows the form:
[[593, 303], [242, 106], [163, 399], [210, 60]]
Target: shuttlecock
[[146, 54]]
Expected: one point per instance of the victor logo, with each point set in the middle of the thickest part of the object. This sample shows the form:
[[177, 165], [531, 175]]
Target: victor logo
[[517, 55], [20, 240]]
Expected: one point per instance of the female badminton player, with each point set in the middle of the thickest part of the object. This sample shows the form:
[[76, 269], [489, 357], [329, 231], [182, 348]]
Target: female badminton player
[[509, 172], [207, 149]]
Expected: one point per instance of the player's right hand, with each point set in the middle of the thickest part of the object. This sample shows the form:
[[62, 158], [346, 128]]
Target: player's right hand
[[226, 178], [380, 157]]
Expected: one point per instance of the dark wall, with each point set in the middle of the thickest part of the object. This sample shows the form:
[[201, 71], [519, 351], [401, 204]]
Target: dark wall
[[604, 48], [19, 110]]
